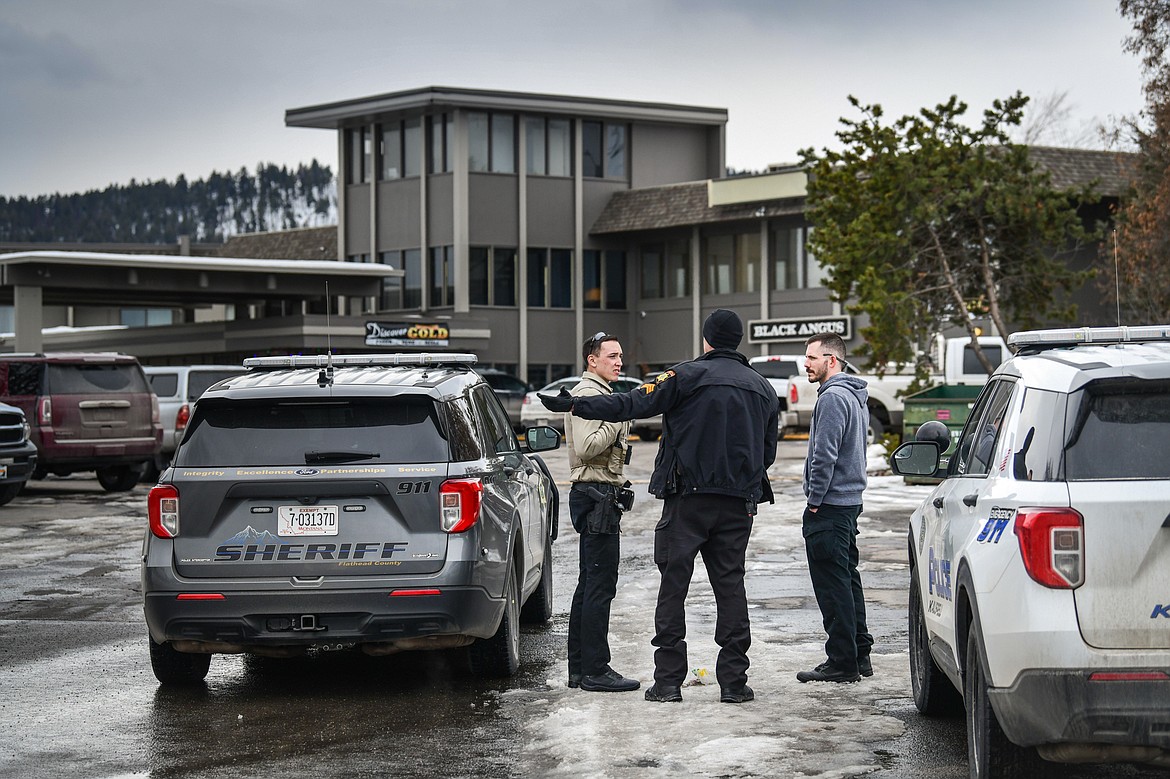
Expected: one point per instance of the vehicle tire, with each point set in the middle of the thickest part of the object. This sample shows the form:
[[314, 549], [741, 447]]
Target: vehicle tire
[[538, 609], [172, 667], [118, 478], [989, 753], [10, 491], [934, 695], [873, 435], [499, 655]]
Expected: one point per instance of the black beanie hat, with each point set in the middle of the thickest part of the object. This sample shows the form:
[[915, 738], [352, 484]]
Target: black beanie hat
[[723, 329]]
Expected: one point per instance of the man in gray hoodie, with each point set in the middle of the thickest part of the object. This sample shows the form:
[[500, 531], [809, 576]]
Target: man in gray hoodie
[[834, 480]]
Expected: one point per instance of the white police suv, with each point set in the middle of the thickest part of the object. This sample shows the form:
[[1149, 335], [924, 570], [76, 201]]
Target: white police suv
[[374, 503], [1040, 565]]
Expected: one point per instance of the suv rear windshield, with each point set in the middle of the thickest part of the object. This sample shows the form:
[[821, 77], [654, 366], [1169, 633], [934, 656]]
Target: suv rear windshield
[[1120, 432], [334, 432], [90, 378], [44, 378]]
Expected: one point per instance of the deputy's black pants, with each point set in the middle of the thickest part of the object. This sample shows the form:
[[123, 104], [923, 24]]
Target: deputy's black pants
[[831, 544], [596, 585], [717, 527]]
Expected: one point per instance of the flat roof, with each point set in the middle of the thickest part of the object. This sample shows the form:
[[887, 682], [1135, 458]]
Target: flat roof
[[104, 278], [338, 114]]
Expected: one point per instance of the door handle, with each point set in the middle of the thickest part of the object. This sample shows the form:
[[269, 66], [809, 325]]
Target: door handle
[[937, 503], [970, 500]]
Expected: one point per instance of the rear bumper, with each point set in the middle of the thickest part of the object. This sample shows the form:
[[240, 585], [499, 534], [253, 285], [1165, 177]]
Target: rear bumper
[[1051, 707], [96, 453], [351, 616]]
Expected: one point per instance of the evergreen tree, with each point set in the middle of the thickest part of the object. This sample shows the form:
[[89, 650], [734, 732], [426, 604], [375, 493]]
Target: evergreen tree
[[208, 210]]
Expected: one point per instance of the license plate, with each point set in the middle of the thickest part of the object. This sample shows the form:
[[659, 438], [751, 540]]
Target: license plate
[[3, 471], [306, 521]]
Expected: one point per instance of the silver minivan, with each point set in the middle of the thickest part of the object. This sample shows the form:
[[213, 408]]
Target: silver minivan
[[177, 388]]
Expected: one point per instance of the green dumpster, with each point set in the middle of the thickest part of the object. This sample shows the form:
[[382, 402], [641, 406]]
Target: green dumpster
[[947, 403]]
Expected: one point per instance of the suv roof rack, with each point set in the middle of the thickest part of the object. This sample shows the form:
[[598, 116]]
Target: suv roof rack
[[357, 360], [1036, 340]]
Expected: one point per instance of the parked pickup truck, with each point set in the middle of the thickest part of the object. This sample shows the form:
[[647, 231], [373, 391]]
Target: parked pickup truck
[[781, 371], [960, 366]]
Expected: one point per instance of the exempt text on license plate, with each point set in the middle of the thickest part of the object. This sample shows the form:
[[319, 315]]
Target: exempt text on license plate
[[306, 521]]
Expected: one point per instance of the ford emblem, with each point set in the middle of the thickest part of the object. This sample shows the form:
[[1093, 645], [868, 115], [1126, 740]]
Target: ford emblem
[[307, 471]]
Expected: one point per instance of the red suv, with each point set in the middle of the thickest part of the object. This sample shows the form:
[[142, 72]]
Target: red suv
[[88, 412]]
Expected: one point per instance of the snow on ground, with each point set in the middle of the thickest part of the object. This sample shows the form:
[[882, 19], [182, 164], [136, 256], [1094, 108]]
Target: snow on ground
[[791, 729]]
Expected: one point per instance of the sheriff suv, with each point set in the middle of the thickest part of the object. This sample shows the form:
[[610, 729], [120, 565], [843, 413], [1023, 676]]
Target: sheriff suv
[[1040, 565], [370, 502]]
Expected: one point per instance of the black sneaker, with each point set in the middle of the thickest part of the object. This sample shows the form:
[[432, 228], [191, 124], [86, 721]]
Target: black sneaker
[[574, 680], [736, 694], [864, 666], [664, 693], [826, 672], [610, 681]]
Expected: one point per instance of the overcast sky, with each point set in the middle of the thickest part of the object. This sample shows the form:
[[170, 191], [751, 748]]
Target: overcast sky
[[99, 92]]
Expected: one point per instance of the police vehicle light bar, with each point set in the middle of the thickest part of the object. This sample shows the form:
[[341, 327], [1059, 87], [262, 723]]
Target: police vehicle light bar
[[358, 360], [1071, 336]]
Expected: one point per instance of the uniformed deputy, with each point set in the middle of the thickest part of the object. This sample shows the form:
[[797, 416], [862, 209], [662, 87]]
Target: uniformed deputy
[[719, 427], [597, 455]]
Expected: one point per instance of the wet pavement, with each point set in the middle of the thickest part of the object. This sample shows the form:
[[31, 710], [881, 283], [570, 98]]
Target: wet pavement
[[78, 698]]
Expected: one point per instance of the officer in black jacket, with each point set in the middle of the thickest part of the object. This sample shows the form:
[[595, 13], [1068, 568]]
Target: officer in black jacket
[[719, 429]]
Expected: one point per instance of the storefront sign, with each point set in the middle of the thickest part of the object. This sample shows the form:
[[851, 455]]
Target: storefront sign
[[406, 334], [762, 331]]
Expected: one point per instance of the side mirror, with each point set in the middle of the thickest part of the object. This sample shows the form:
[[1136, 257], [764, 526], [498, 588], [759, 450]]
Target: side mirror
[[916, 458], [542, 439]]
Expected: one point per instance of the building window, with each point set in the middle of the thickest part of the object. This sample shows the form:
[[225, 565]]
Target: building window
[[652, 268], [147, 317], [666, 269], [793, 266], [360, 150], [550, 278], [442, 277], [404, 292], [439, 128], [491, 142], [604, 279], [492, 276], [731, 263], [541, 374], [603, 152], [400, 148], [549, 147]]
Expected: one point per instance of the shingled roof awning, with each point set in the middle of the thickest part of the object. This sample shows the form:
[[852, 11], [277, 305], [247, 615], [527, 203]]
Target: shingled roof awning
[[687, 204], [680, 205]]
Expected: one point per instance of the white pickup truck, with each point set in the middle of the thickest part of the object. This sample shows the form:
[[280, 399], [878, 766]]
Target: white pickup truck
[[956, 355]]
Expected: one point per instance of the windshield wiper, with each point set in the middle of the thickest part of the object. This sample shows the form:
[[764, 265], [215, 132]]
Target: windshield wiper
[[338, 457]]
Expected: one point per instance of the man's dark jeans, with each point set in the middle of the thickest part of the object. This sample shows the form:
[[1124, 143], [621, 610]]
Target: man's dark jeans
[[717, 527], [830, 540], [596, 585]]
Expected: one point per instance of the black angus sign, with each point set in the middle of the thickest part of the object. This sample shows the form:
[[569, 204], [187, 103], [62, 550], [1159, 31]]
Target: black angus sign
[[761, 331]]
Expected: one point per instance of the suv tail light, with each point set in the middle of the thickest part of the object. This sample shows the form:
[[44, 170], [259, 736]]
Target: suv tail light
[[459, 502], [182, 417], [793, 394], [155, 414], [163, 509], [1052, 544], [45, 412]]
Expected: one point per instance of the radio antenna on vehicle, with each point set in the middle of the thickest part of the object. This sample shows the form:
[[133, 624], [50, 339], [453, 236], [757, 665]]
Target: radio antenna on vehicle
[[325, 377], [1116, 278]]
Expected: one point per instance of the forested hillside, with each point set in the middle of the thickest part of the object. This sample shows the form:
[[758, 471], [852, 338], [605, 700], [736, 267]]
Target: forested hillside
[[225, 204]]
